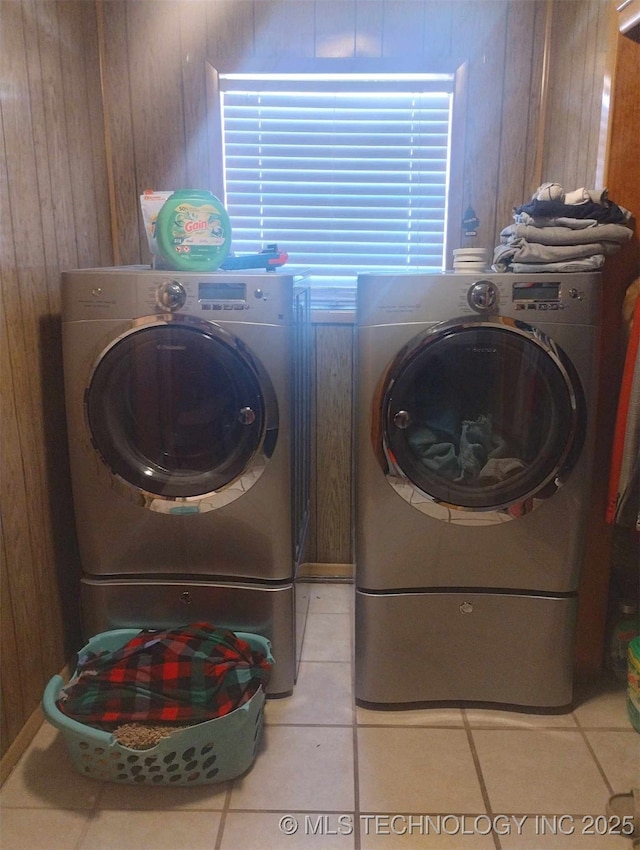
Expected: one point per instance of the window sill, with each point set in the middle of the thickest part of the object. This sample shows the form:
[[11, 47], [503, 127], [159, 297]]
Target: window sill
[[333, 304], [323, 316]]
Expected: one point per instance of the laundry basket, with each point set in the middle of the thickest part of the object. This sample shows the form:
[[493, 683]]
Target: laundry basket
[[208, 752]]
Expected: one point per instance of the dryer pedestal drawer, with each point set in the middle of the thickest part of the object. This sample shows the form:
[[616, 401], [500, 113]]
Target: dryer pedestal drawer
[[159, 604], [472, 647]]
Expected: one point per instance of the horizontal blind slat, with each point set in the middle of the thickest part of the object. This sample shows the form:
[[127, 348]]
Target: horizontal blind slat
[[343, 180]]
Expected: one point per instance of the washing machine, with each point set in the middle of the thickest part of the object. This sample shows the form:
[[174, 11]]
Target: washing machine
[[475, 410], [187, 402]]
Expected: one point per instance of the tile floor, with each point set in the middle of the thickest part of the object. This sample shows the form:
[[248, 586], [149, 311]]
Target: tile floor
[[339, 777]]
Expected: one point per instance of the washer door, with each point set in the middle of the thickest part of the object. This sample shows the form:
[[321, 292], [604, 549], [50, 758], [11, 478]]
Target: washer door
[[483, 415], [179, 411]]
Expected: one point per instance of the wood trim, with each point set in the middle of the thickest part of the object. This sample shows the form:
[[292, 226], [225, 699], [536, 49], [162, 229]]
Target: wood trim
[[20, 743], [453, 235], [325, 571]]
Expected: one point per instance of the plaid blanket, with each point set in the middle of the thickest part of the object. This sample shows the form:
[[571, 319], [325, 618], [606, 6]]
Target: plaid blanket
[[191, 674]]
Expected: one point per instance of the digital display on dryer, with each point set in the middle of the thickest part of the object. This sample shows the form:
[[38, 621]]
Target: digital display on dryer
[[536, 291], [216, 291]]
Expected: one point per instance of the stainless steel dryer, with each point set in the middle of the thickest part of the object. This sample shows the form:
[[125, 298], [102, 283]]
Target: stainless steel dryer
[[474, 445], [185, 395]]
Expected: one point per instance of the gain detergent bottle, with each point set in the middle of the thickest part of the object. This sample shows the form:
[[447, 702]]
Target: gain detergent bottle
[[193, 231]]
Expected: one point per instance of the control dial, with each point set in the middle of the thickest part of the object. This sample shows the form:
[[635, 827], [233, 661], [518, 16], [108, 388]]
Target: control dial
[[171, 295], [483, 296]]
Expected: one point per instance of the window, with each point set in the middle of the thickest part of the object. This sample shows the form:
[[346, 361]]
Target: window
[[346, 173]]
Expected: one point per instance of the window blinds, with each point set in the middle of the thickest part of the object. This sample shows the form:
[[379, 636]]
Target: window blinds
[[344, 178]]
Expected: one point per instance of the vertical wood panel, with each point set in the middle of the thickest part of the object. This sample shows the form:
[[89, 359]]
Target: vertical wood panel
[[535, 94], [24, 304], [193, 47], [230, 33], [511, 187], [119, 118], [18, 583], [334, 436], [49, 134], [283, 29], [335, 29], [572, 125], [74, 86], [44, 37], [403, 33], [95, 127], [438, 34], [480, 29], [157, 106], [600, 81], [368, 36]]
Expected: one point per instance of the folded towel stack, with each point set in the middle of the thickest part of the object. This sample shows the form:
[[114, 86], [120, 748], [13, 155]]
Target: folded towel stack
[[562, 232]]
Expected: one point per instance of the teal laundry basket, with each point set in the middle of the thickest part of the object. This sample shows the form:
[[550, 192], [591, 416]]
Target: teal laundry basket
[[213, 751]]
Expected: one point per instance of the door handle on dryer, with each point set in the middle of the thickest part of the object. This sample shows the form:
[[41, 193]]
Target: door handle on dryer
[[402, 419], [246, 416]]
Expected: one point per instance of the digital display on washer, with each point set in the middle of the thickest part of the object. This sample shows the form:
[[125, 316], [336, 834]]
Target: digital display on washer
[[536, 291], [215, 291]]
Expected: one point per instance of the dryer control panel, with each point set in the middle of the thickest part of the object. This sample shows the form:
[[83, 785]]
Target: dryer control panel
[[385, 298], [484, 295]]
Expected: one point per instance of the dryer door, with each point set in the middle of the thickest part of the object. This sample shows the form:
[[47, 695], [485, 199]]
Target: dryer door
[[483, 415], [180, 411]]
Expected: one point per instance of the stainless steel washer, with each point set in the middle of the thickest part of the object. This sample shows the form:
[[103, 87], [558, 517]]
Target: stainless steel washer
[[474, 445], [189, 478]]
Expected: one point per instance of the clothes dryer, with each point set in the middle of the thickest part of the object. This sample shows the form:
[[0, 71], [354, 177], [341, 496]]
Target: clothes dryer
[[474, 446], [190, 480]]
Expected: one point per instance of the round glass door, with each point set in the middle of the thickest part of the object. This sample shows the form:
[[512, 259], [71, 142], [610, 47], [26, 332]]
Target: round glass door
[[176, 410], [482, 415]]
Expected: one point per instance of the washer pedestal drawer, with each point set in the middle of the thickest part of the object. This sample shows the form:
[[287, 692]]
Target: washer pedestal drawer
[[510, 649], [267, 610]]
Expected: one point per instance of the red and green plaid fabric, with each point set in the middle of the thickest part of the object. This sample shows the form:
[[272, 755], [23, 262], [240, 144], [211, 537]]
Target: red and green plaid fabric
[[190, 674]]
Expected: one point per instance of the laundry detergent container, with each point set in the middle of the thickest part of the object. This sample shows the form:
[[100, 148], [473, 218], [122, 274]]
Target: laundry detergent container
[[193, 231], [212, 751]]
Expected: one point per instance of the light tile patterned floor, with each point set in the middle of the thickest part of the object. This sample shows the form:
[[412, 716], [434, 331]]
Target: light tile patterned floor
[[341, 777]]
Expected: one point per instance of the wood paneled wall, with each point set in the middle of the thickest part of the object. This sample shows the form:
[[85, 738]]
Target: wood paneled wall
[[156, 103], [578, 66], [332, 458], [104, 99], [54, 216]]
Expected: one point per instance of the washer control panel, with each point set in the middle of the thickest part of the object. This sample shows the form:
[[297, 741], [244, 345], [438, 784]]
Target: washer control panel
[[132, 292], [196, 295]]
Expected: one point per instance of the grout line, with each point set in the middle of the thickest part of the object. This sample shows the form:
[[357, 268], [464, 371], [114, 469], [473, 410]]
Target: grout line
[[476, 761], [357, 840], [594, 756], [93, 815], [223, 816]]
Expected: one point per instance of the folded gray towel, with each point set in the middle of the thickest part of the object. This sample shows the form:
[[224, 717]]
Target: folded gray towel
[[521, 251], [560, 221], [565, 235], [586, 264]]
